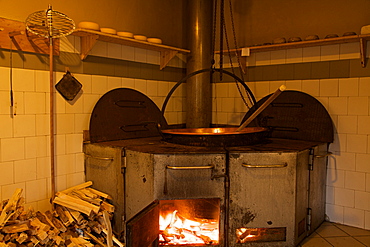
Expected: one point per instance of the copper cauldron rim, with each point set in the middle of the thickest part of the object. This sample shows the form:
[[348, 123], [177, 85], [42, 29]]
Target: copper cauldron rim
[[214, 131]]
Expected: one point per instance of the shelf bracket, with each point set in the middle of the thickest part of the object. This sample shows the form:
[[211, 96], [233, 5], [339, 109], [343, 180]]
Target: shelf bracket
[[243, 61], [363, 44], [166, 57], [87, 43]]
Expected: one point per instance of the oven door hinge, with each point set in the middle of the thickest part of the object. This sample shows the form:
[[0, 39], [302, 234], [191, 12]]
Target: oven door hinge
[[310, 159], [309, 219], [123, 162]]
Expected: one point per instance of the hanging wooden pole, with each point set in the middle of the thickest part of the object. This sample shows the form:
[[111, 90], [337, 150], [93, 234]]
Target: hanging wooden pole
[[52, 144]]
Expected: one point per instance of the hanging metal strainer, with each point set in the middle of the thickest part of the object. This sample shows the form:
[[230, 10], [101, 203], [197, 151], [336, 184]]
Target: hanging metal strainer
[[49, 24]]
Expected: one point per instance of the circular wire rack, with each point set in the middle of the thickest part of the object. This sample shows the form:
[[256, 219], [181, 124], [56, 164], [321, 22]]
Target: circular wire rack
[[49, 24]]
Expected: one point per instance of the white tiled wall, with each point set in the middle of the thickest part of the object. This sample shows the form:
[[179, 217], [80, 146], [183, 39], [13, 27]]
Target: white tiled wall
[[24, 136], [348, 103]]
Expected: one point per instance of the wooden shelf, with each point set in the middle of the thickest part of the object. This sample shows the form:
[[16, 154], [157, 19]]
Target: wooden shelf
[[362, 39], [13, 35], [89, 38]]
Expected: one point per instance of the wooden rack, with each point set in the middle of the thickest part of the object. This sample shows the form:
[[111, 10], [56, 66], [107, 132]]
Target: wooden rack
[[362, 39], [89, 38]]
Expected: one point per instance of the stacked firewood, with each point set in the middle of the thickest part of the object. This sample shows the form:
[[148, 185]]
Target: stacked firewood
[[81, 216]]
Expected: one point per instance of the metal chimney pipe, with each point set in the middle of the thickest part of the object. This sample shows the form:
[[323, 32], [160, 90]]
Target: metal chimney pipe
[[198, 87]]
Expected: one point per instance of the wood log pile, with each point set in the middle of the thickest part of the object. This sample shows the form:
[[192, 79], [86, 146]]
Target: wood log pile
[[81, 216]]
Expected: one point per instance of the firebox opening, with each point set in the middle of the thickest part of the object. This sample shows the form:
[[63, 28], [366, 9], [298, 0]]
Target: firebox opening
[[189, 222]]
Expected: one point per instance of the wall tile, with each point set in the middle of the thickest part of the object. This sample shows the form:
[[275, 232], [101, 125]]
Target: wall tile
[[329, 194], [329, 52], [82, 122], [278, 57], [362, 163], [114, 82], [153, 57], [302, 71], [349, 51], [42, 124], [339, 69], [311, 54], [99, 49], [227, 105], [294, 55], [362, 200], [114, 50], [355, 180], [65, 164], [367, 220], [339, 144], [285, 72], [23, 80], [347, 124], [356, 143], [34, 103], [8, 190], [346, 161], [74, 106], [43, 167], [329, 87], [80, 162], [140, 85], [60, 144], [128, 53], [59, 104], [65, 124], [61, 182], [12, 149], [263, 58], [99, 84], [30, 147], [140, 55], [222, 90], [262, 89], [348, 87], [89, 102], [312, 87], [36, 190], [335, 178], [368, 182], [294, 85], [7, 173], [354, 217], [4, 79], [74, 143], [344, 197], [251, 60], [24, 170], [18, 107], [363, 124], [338, 105], [335, 213], [358, 106], [75, 179], [320, 70], [6, 129], [364, 86], [86, 81]]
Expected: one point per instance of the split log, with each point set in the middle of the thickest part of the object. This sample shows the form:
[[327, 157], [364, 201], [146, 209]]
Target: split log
[[10, 207], [77, 187], [99, 193], [76, 204], [21, 227], [22, 237]]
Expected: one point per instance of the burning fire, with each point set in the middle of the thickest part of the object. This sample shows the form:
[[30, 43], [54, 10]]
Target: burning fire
[[177, 230]]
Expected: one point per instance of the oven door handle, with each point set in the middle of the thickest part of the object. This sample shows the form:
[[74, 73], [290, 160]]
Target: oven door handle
[[265, 166], [98, 158], [324, 155], [190, 167]]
